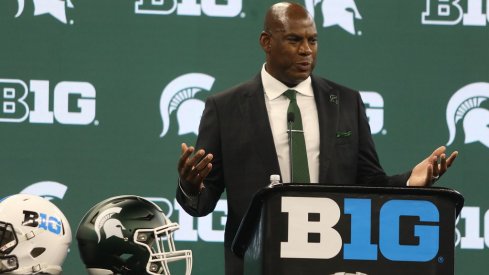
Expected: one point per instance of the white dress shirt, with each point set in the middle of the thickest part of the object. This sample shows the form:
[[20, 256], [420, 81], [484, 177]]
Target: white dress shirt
[[277, 105]]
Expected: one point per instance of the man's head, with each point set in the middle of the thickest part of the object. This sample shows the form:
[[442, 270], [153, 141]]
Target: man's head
[[289, 40]]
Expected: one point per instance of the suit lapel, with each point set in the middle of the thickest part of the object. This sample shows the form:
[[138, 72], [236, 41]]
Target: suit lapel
[[256, 120], [327, 102]]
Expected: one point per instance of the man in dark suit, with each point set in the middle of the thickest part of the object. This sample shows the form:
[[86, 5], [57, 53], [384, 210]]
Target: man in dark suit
[[244, 131]]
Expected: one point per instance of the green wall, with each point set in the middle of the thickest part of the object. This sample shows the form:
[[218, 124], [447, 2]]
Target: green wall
[[90, 97]]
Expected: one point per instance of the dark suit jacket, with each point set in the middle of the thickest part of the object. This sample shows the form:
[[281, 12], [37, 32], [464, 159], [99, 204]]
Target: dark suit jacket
[[235, 128]]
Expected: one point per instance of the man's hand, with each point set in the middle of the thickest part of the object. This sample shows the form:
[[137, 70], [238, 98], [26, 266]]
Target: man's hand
[[431, 168], [192, 170]]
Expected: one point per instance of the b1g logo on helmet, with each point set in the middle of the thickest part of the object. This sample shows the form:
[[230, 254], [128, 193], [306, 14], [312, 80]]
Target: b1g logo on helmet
[[109, 225], [213, 8], [451, 12], [14, 95], [466, 105], [337, 12], [56, 8], [179, 96], [43, 221]]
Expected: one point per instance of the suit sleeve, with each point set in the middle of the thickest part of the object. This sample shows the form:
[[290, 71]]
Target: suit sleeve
[[209, 140], [370, 172]]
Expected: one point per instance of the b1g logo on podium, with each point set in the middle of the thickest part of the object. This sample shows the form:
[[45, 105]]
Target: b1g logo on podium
[[73, 102], [311, 232]]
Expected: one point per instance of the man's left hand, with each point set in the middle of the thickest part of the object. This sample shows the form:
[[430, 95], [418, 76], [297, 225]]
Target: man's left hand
[[431, 168]]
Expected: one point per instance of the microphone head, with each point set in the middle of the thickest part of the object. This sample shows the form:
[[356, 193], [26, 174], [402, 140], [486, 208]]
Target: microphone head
[[290, 117]]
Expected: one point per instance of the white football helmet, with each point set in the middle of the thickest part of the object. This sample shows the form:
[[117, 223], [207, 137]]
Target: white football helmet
[[130, 235], [34, 236]]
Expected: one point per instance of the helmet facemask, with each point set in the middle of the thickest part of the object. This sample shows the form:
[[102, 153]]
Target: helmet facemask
[[8, 241], [161, 247]]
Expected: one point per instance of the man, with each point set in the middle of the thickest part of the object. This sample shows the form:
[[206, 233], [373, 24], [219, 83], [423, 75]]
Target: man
[[244, 130]]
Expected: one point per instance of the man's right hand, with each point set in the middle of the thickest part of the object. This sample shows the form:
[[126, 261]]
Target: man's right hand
[[193, 169]]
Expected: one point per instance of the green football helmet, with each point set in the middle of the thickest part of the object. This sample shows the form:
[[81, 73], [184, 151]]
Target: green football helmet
[[129, 235]]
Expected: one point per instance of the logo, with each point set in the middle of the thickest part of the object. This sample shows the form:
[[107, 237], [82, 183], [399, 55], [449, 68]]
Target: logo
[[337, 12], [212, 8], [178, 96], [111, 226], [471, 237], [453, 12], [56, 8], [208, 229], [73, 102], [466, 106], [311, 232], [46, 189], [375, 111], [44, 221]]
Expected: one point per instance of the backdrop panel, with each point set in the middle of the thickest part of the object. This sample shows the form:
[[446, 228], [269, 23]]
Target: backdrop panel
[[97, 96]]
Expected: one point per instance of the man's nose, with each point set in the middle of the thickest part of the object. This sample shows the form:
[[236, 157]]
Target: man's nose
[[305, 48]]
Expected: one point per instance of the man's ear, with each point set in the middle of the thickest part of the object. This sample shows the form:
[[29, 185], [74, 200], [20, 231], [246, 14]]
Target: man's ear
[[265, 41]]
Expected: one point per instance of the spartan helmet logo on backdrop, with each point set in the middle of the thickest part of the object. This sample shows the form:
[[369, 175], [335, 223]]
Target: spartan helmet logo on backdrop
[[337, 12], [466, 105], [179, 96], [46, 189], [56, 8]]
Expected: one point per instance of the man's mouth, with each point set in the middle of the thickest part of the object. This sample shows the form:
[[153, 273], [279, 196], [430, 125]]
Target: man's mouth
[[304, 66]]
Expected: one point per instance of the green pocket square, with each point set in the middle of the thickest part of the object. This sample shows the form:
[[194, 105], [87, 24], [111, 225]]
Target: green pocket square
[[343, 134]]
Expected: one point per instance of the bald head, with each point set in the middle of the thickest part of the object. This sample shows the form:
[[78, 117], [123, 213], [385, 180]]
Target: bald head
[[279, 15], [289, 40]]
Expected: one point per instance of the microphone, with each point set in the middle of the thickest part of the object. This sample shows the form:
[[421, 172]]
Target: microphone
[[290, 117], [290, 121]]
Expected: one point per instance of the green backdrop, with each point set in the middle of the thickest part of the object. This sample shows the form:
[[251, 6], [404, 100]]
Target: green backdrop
[[96, 97]]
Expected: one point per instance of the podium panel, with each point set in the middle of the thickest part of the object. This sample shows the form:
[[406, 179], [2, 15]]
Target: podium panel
[[317, 229]]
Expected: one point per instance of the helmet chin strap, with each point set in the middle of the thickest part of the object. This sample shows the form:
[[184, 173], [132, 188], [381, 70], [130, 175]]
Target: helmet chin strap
[[99, 271], [39, 269]]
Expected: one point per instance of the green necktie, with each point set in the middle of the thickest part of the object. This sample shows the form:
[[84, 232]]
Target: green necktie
[[299, 168]]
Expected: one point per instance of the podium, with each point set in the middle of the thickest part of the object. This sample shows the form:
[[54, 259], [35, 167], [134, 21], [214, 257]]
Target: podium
[[319, 229]]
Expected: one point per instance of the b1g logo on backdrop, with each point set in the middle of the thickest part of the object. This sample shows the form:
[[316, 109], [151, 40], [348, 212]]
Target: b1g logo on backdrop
[[375, 111], [73, 102], [466, 105], [55, 8], [212, 8], [453, 12], [208, 229], [179, 96], [343, 13], [311, 233], [470, 237]]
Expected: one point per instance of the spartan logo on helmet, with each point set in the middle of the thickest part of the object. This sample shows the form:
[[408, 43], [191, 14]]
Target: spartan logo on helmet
[[56, 8], [465, 105], [110, 225], [337, 12], [178, 96]]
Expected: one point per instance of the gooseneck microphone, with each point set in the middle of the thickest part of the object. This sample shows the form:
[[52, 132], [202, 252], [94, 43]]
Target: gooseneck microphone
[[290, 121]]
